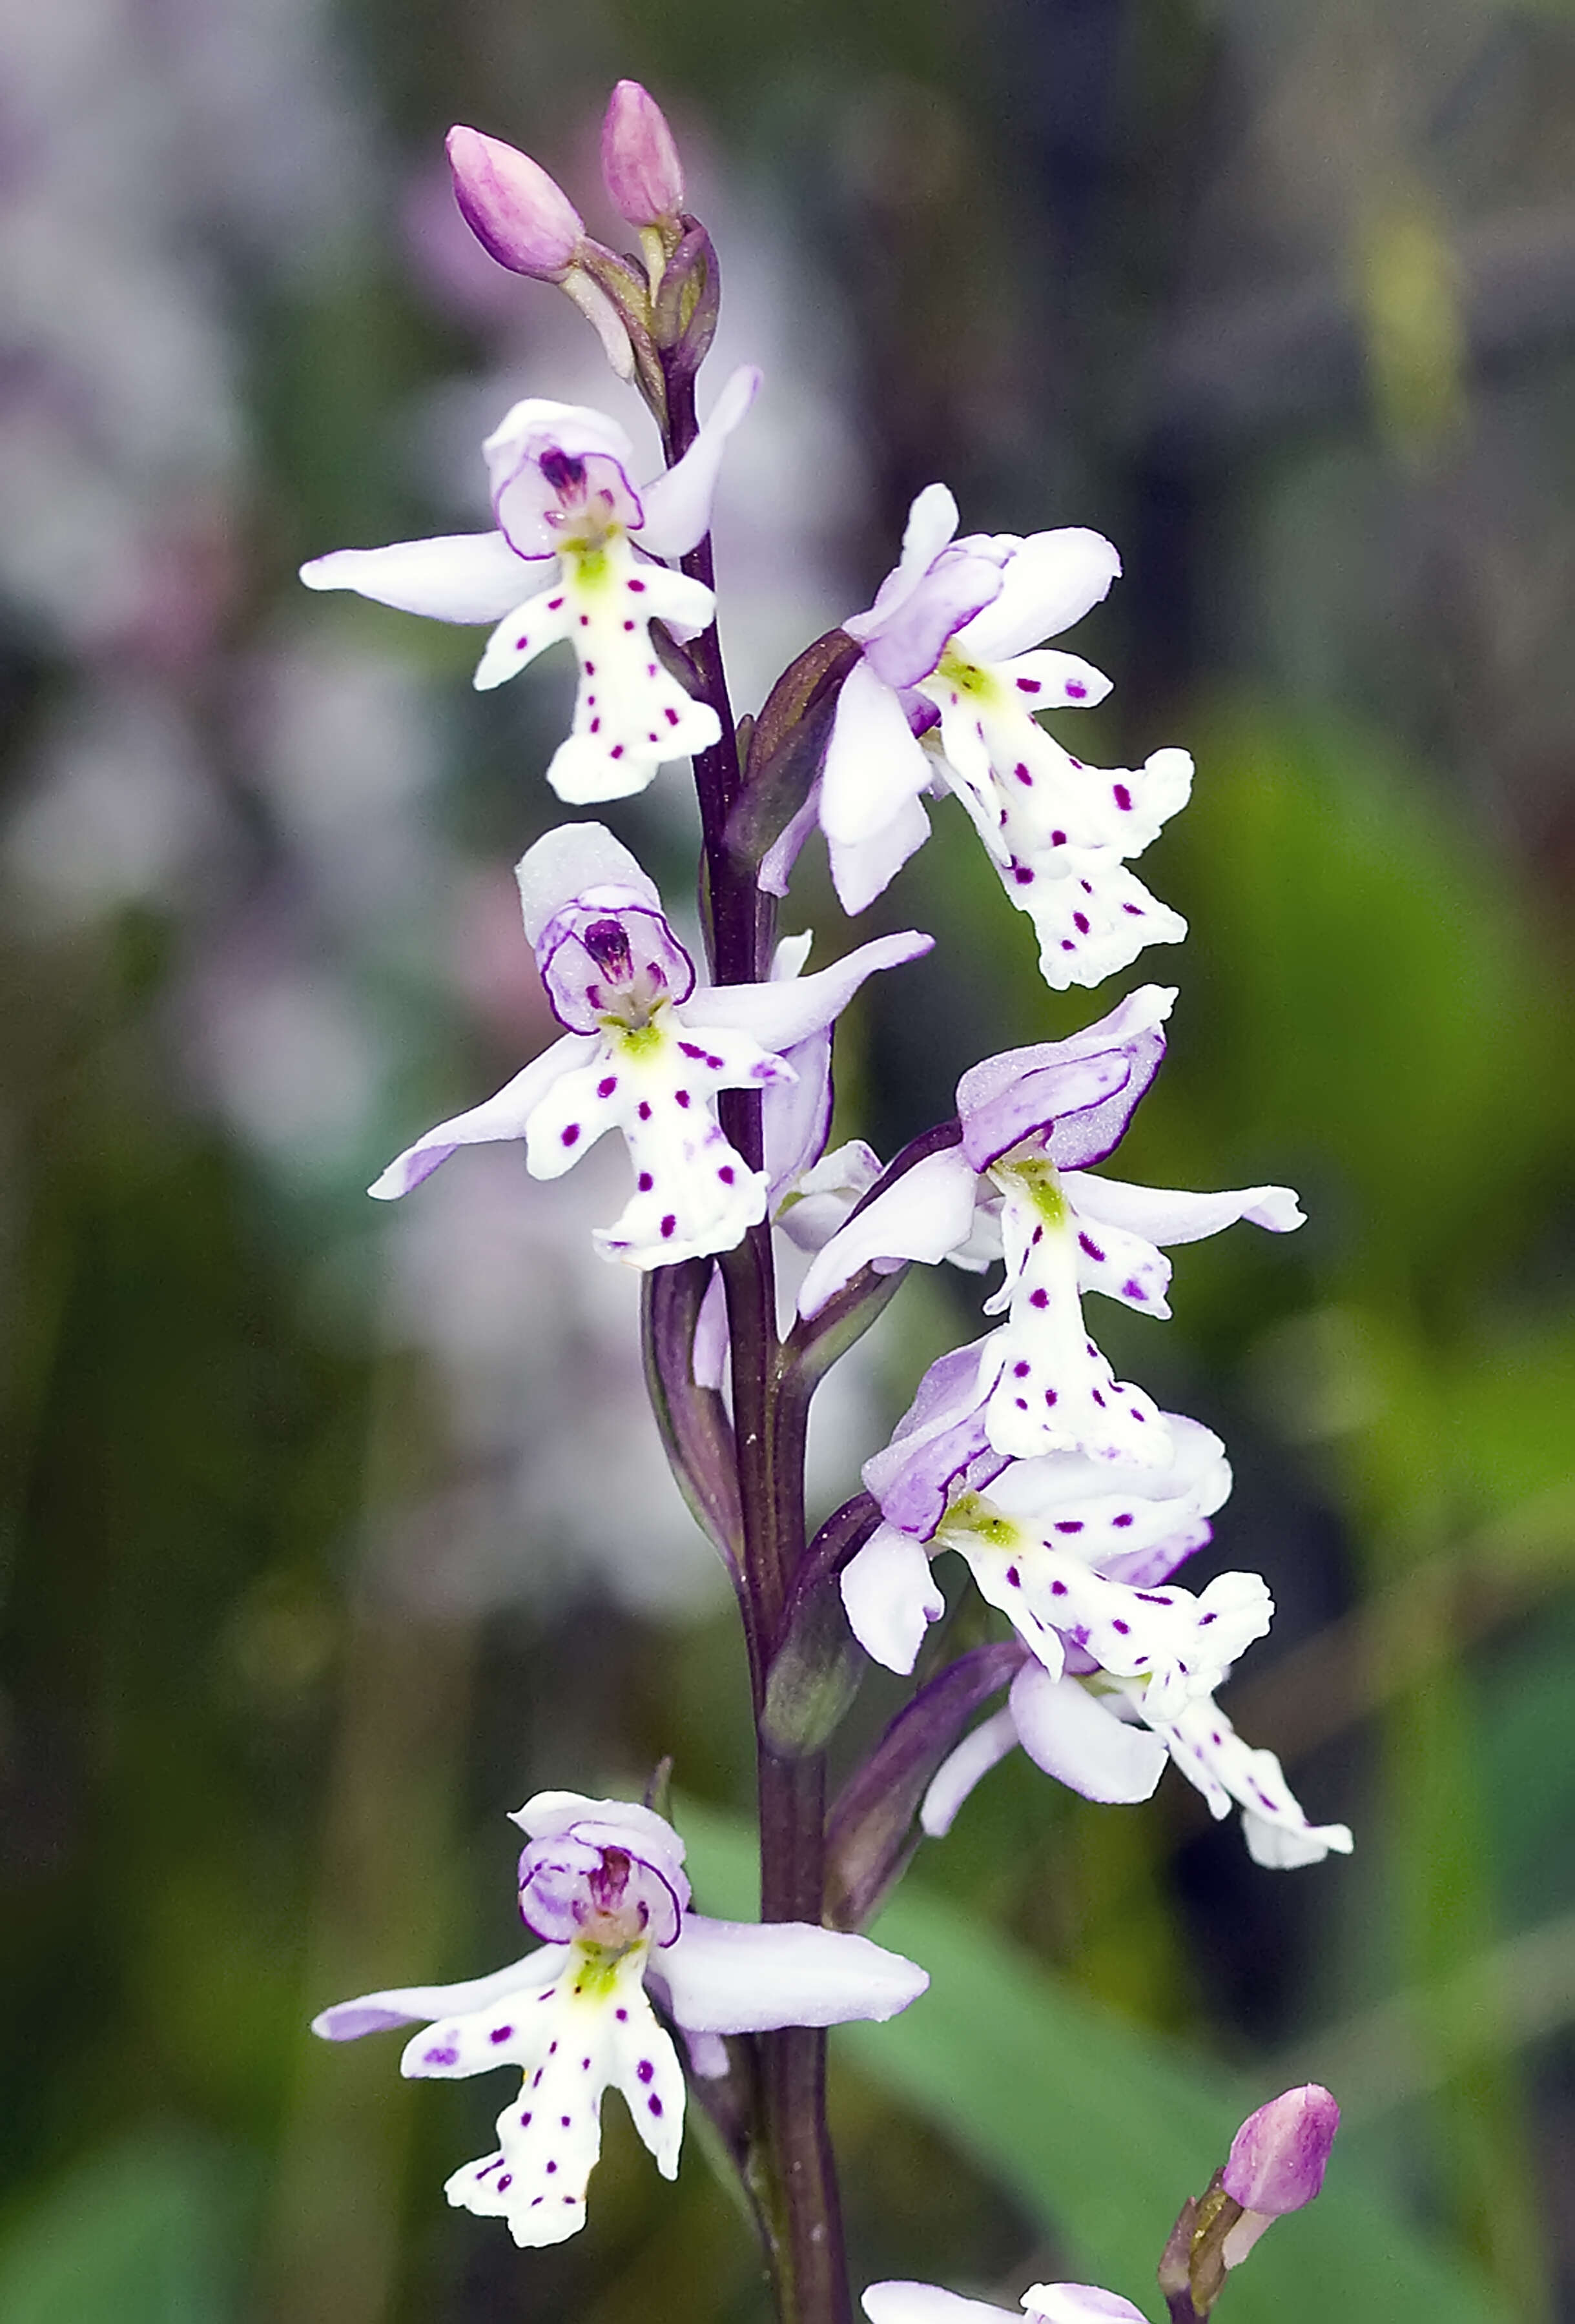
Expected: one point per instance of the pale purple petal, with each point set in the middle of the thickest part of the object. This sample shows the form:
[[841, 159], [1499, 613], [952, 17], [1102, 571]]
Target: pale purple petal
[[939, 1439], [927, 2303], [711, 1343], [678, 505], [503, 1116], [927, 1212], [1162, 1216], [891, 1599], [999, 1099], [459, 576], [1073, 1738], [776, 865], [912, 638], [747, 1977], [1050, 582], [782, 1014], [407, 2004], [931, 521], [964, 1770]]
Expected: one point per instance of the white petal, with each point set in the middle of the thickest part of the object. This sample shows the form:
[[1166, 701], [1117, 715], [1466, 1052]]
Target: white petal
[[891, 1598], [459, 576], [645, 2065], [780, 1014], [686, 607], [967, 1767], [1278, 1848], [1067, 1733], [1091, 915], [571, 1117], [874, 765], [823, 1197], [927, 1212], [678, 505], [503, 1116], [864, 869], [1051, 680], [927, 2303], [747, 1977], [566, 863], [1050, 582], [523, 633], [375, 2013], [1163, 1216], [1080, 2303]]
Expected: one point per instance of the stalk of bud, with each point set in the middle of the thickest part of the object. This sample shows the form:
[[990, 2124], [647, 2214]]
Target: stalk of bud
[[520, 216], [1275, 2164], [639, 160]]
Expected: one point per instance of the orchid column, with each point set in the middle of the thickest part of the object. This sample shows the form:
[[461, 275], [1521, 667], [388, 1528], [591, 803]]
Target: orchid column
[[1070, 1497]]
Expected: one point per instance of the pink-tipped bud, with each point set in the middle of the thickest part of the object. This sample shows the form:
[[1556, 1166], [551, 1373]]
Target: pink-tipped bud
[[1277, 2158], [639, 160], [520, 216]]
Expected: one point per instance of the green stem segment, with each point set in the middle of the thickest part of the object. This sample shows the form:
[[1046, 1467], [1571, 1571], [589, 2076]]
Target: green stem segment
[[790, 2169]]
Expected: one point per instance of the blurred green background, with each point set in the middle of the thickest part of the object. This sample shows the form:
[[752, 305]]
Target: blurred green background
[[330, 1534]]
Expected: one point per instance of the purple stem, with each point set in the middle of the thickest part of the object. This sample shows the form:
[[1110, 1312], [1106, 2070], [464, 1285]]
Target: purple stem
[[792, 2171]]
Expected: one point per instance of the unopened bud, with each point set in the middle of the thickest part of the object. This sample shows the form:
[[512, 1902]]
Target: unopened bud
[[1278, 2157], [639, 160], [518, 214]]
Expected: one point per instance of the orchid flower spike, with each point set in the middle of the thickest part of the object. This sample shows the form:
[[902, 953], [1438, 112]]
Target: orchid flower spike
[[1032, 1121], [572, 558], [646, 1052], [602, 1882], [1043, 2303], [1077, 1554], [944, 658]]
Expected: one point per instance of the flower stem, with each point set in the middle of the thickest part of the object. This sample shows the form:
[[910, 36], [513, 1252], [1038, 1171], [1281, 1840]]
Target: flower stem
[[792, 2171]]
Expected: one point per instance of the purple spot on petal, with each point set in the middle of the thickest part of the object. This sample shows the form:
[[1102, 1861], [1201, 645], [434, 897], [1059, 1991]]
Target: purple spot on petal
[[1021, 1371], [1057, 1589], [440, 2057], [628, 625], [645, 2069], [655, 2103], [1040, 1298], [669, 1227], [1024, 776], [1123, 798], [617, 752], [623, 2016], [520, 644], [554, 605], [645, 1182], [569, 1133], [551, 2167], [605, 1088], [501, 2032], [1076, 689], [637, 588], [1121, 1628], [1028, 686], [1124, 1519], [1092, 1247], [1013, 1577], [1081, 922], [681, 1097], [1068, 1525], [645, 1110], [726, 1174], [1136, 911], [1133, 1289], [672, 717], [1023, 876], [1067, 945], [1050, 1396], [595, 726]]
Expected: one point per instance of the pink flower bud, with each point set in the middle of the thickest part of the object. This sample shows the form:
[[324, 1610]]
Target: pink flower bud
[[639, 160], [1277, 2158], [517, 213]]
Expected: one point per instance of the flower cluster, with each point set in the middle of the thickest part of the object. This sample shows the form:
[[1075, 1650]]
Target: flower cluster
[[1069, 1495]]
